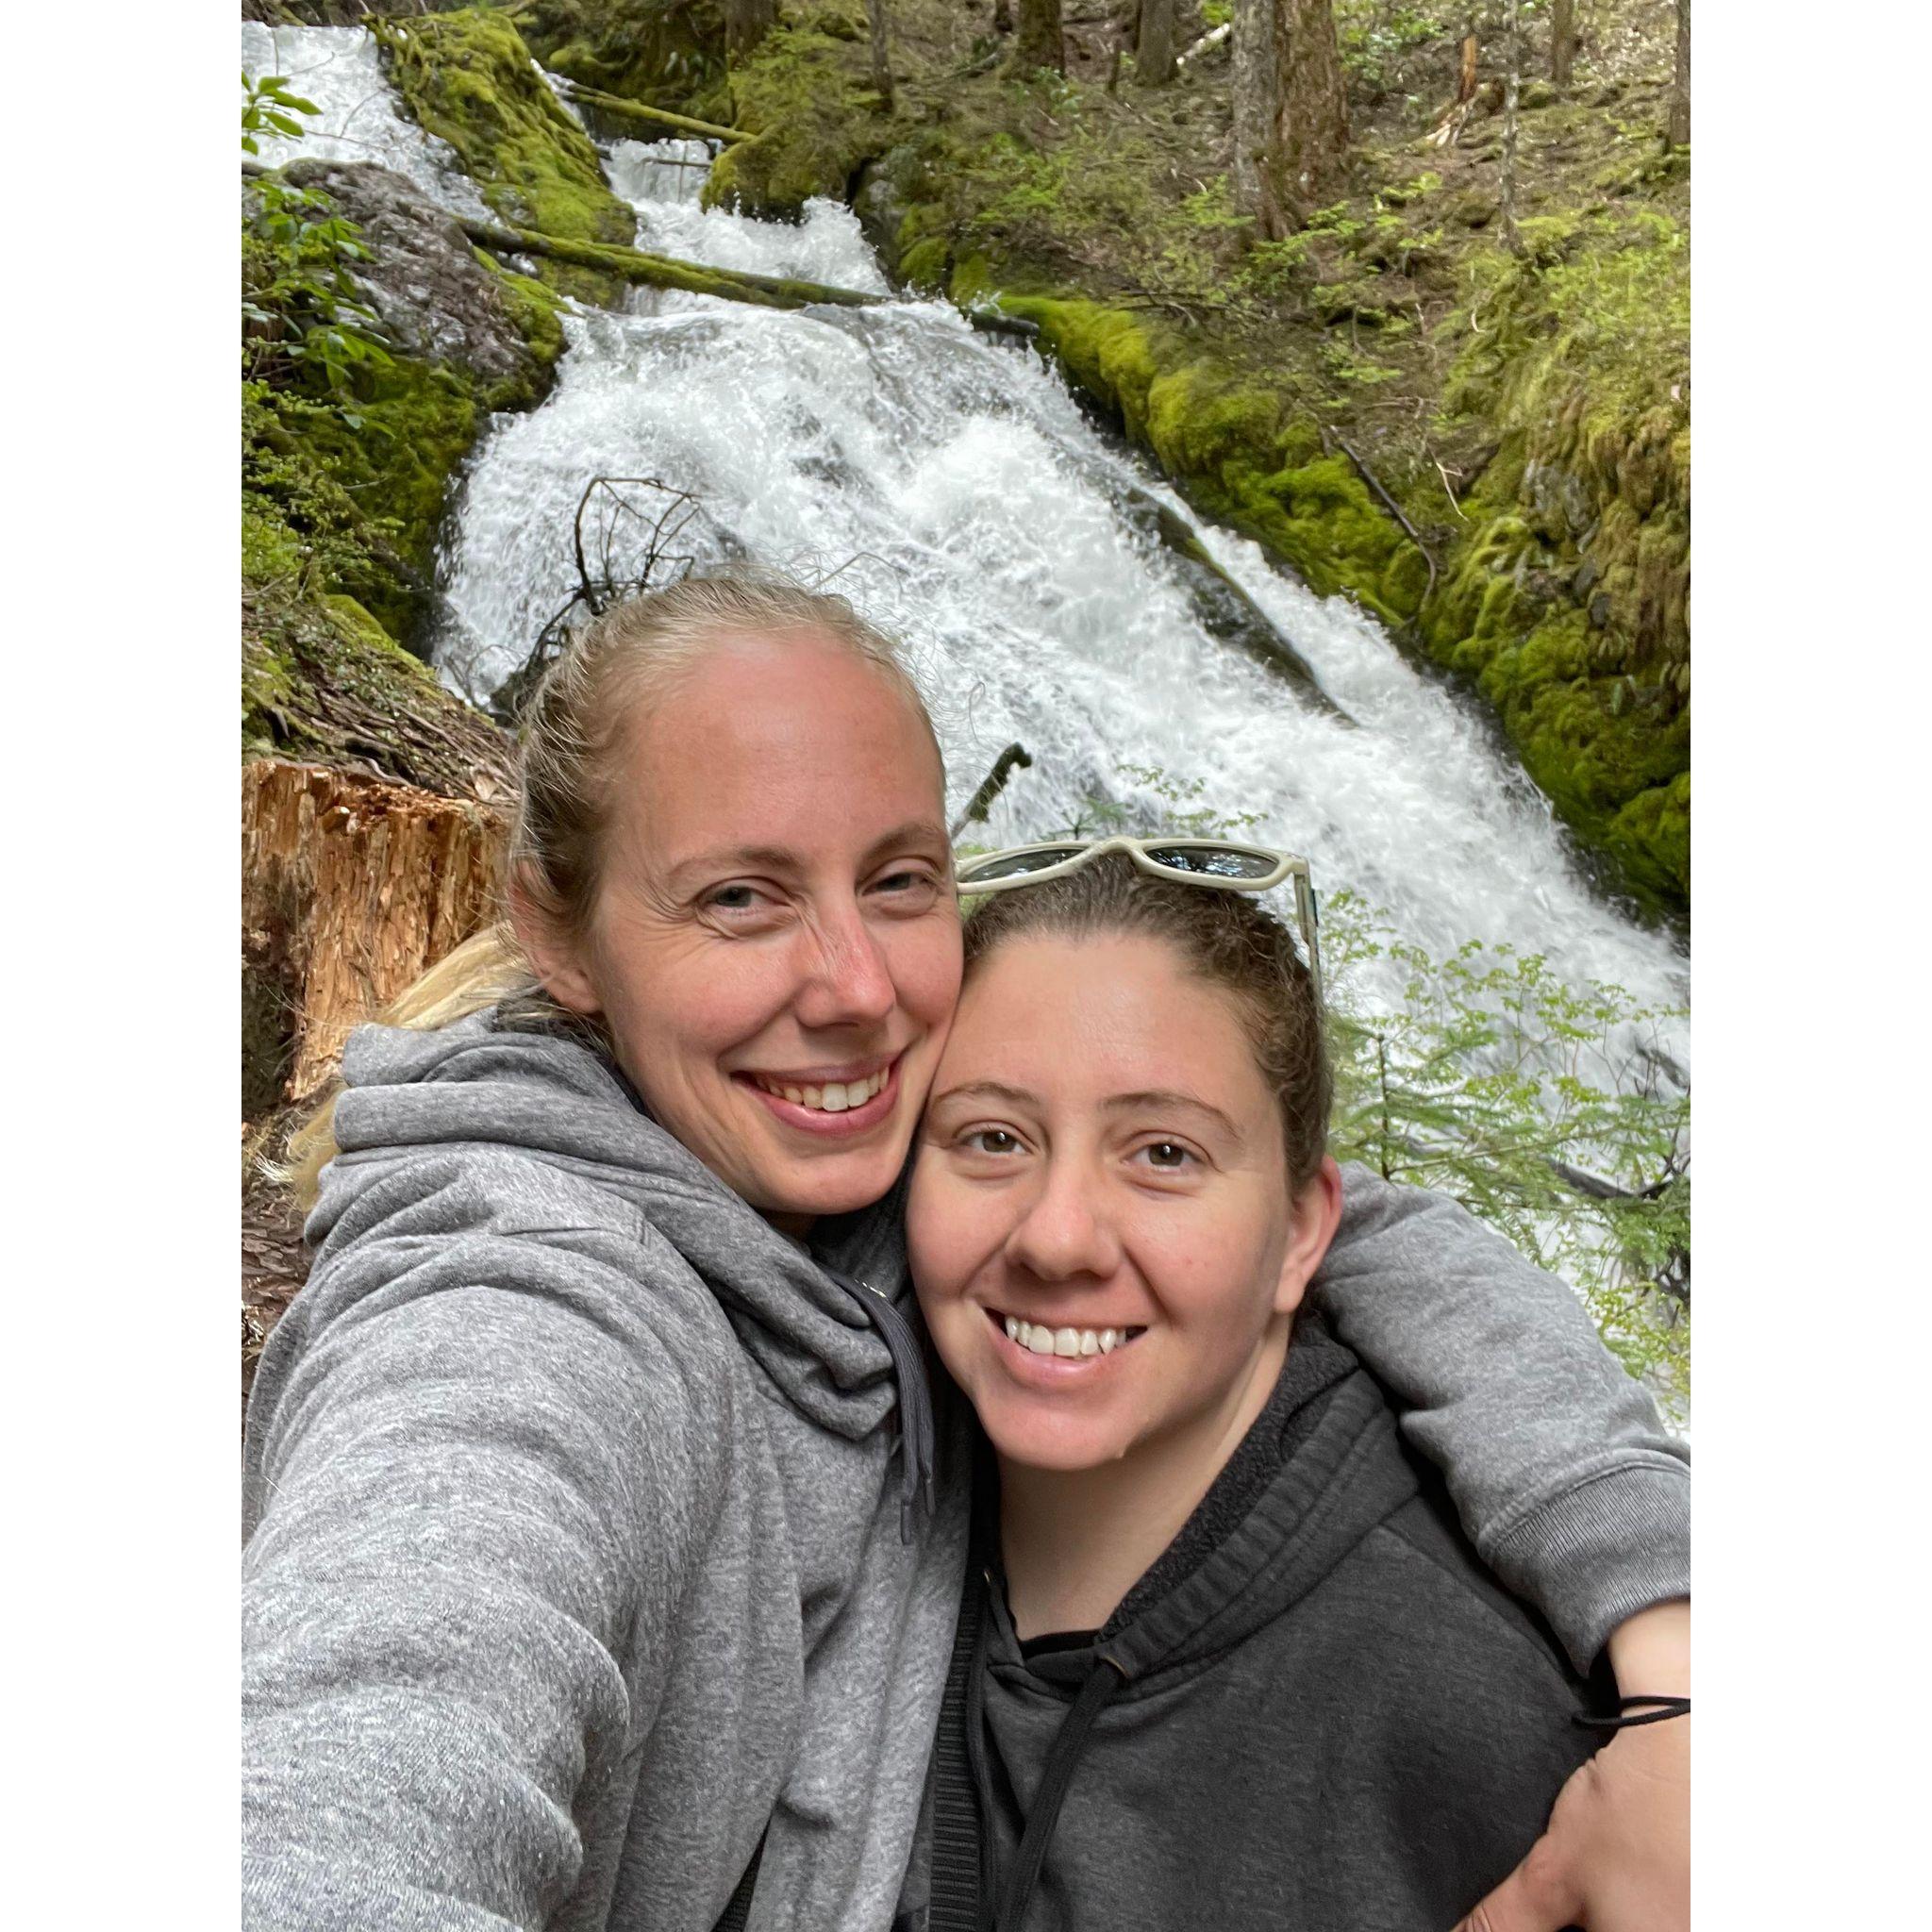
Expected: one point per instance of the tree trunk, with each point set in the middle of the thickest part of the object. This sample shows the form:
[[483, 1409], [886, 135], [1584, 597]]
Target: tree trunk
[[1679, 132], [1252, 82], [881, 58], [1311, 144], [746, 23], [1154, 50], [1563, 41], [1511, 95], [1039, 41], [351, 887]]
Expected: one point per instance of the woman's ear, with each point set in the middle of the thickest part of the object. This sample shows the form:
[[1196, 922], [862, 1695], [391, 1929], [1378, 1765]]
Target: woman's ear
[[553, 955], [1317, 1214]]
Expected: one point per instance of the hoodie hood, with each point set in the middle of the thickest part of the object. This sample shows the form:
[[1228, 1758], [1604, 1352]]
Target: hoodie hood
[[544, 1095]]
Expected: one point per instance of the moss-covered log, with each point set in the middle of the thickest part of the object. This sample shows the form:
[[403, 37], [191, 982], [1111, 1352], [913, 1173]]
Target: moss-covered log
[[667, 271], [618, 109]]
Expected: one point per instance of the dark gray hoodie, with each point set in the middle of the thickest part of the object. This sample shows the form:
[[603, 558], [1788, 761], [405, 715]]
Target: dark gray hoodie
[[576, 1504], [1316, 1709]]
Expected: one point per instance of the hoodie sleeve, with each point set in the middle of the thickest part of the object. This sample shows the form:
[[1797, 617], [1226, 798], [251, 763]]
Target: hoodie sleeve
[[1566, 1480], [473, 1474]]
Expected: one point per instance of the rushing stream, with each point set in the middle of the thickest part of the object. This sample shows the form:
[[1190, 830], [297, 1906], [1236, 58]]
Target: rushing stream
[[954, 488]]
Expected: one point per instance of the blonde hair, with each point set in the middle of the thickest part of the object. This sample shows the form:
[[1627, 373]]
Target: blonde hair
[[629, 659]]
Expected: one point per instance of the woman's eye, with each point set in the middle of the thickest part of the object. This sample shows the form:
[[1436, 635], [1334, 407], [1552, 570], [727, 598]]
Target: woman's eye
[[738, 901], [990, 1141], [912, 885], [1170, 1156]]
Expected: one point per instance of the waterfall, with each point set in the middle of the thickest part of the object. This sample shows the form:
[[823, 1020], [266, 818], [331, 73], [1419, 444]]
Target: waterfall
[[954, 490]]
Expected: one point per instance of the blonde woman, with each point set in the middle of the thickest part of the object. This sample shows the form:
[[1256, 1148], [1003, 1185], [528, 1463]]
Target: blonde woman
[[603, 1550]]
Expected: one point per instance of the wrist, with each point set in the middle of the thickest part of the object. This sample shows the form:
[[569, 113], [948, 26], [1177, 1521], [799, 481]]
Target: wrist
[[1650, 1653]]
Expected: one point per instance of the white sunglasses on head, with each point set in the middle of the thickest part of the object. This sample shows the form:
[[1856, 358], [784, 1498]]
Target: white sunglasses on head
[[1219, 863]]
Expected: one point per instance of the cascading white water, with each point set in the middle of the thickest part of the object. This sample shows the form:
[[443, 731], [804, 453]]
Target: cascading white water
[[339, 70], [955, 486]]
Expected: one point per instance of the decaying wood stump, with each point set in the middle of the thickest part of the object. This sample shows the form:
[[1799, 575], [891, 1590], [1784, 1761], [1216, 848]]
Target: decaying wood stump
[[351, 886]]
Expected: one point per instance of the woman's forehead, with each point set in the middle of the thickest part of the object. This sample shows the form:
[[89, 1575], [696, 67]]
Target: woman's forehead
[[767, 748], [1103, 1014]]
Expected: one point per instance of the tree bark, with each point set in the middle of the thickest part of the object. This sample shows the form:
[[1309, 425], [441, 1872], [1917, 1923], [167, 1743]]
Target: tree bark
[[1039, 40], [746, 23], [1563, 41], [881, 54], [1679, 133], [351, 887], [1252, 81], [1154, 49], [1310, 143], [1512, 97]]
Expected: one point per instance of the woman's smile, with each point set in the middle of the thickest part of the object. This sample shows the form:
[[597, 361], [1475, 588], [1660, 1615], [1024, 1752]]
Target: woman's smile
[[842, 1103]]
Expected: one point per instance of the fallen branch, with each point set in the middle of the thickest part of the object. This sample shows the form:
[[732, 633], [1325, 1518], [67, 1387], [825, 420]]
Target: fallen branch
[[667, 271], [1211, 39], [621, 110], [991, 788], [1394, 508]]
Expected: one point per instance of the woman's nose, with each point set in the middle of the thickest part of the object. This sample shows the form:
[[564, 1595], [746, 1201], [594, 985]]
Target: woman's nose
[[848, 981], [1065, 1231]]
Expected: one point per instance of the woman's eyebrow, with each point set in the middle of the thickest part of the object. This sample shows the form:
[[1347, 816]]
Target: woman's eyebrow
[[928, 832], [986, 1090], [1170, 1098], [735, 859], [779, 859]]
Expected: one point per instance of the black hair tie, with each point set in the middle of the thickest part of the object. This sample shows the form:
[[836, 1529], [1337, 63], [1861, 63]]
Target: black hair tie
[[1632, 1712]]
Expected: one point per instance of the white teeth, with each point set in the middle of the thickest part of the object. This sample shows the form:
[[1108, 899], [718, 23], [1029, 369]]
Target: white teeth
[[835, 1096], [1040, 1339]]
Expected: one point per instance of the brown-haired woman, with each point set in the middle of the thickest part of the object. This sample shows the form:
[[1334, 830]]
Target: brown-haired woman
[[603, 1553], [1225, 1657]]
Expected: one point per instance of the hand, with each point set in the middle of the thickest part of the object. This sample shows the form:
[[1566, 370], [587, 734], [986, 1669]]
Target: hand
[[1617, 1855]]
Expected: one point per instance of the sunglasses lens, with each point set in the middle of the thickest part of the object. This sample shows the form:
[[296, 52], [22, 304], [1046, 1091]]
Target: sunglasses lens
[[1219, 863], [1012, 865]]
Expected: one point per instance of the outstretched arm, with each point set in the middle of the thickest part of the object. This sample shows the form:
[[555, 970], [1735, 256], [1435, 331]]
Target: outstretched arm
[[452, 1545], [1565, 1478]]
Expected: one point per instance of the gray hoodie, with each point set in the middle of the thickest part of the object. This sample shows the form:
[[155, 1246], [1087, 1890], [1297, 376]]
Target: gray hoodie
[[577, 1553]]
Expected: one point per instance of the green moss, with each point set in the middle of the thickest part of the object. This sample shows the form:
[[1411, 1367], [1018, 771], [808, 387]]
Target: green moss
[[1236, 451], [468, 77], [661, 52], [806, 92]]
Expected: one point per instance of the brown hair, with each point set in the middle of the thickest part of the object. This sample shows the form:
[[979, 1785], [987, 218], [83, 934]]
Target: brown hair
[[1226, 939], [569, 749]]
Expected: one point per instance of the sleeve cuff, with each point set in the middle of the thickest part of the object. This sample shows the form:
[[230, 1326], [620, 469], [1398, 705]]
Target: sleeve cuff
[[1600, 1553]]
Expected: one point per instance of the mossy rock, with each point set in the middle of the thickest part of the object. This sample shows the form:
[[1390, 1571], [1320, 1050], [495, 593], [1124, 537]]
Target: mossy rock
[[806, 92], [324, 682], [1235, 449], [468, 77]]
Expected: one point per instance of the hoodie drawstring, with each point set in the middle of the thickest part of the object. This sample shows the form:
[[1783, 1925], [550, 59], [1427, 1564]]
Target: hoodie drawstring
[[918, 1441], [1069, 1741]]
